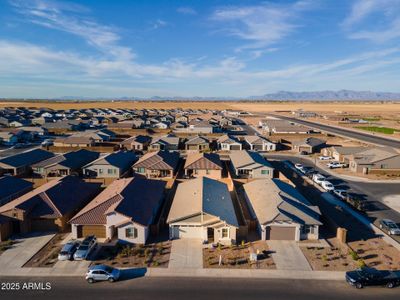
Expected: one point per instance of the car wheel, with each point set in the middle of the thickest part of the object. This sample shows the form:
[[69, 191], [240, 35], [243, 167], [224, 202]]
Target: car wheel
[[111, 279], [359, 285], [390, 285], [90, 280]]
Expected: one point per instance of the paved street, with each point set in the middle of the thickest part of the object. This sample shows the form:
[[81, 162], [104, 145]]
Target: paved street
[[197, 288]]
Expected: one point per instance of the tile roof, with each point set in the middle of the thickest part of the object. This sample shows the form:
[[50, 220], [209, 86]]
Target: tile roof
[[73, 160], [119, 159], [248, 159], [160, 160], [26, 158], [203, 161]]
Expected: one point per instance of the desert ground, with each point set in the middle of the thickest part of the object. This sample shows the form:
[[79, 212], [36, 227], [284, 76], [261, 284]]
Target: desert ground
[[350, 107]]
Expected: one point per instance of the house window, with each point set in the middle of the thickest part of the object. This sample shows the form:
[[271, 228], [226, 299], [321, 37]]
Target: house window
[[265, 172], [131, 232], [100, 171], [225, 233], [110, 171], [306, 229], [140, 170]]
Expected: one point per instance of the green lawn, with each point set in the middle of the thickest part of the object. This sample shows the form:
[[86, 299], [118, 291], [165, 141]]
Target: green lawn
[[385, 130], [372, 119]]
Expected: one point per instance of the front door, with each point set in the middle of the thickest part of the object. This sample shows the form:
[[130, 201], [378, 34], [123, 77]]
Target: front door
[[210, 235]]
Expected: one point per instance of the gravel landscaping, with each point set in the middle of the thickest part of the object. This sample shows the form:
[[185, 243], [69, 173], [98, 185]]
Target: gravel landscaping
[[238, 256]]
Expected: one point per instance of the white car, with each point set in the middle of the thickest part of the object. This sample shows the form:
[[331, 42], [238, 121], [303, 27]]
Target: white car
[[335, 165], [341, 194], [327, 186], [318, 178], [298, 166], [324, 157]]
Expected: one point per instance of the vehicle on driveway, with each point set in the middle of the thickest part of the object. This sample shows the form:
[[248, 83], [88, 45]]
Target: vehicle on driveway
[[335, 165], [102, 273], [327, 186], [299, 166], [46, 143], [341, 194], [85, 248], [324, 157], [369, 276], [68, 250], [318, 178], [390, 226], [308, 171]]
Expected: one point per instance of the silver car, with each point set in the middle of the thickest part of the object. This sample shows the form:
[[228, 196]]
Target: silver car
[[83, 251], [102, 273], [68, 250], [390, 226]]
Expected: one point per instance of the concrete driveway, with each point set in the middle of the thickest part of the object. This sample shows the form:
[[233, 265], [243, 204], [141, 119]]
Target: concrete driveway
[[22, 251], [186, 253], [288, 256]]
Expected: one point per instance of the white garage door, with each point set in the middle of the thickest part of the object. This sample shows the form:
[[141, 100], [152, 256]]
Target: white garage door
[[187, 232]]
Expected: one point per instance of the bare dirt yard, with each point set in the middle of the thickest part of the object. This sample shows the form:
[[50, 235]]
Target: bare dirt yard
[[124, 256], [238, 256], [48, 255]]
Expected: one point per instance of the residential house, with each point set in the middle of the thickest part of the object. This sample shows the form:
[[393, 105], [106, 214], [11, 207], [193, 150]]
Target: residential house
[[12, 187], [161, 164], [112, 165], [197, 143], [280, 211], [202, 208], [228, 143], [283, 127], [259, 143], [8, 138], [50, 206], [70, 163], [75, 141], [125, 209], [378, 160], [203, 164], [136, 143], [164, 143], [250, 164], [342, 154], [309, 145], [20, 164]]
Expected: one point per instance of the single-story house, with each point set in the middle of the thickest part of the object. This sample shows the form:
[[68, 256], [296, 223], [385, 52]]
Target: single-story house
[[75, 141], [164, 143], [198, 143], [283, 127], [125, 209], [250, 164], [342, 154], [50, 206], [379, 159], [259, 143], [203, 164], [20, 164], [202, 208], [281, 212], [309, 145], [12, 187], [228, 143], [70, 163], [112, 165], [160, 164], [138, 143]]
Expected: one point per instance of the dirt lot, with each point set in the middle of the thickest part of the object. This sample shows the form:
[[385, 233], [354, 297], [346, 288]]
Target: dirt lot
[[123, 256], [238, 256], [48, 255]]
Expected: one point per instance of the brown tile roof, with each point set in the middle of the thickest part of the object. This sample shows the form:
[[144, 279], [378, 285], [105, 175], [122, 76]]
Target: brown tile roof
[[161, 160], [203, 161]]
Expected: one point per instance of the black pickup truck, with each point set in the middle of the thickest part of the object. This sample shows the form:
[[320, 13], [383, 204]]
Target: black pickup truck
[[369, 276]]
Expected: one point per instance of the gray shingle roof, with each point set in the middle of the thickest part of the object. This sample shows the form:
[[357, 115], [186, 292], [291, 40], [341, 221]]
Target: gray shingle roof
[[26, 158]]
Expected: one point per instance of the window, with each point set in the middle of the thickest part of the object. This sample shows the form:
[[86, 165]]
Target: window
[[265, 172], [140, 170], [131, 232], [109, 171], [308, 229], [208, 171], [100, 171], [225, 233]]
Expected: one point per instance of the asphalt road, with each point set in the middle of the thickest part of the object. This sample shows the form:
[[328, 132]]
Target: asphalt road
[[196, 288], [378, 140], [373, 192]]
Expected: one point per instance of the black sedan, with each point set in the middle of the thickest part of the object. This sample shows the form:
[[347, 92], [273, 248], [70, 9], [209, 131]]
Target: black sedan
[[369, 276]]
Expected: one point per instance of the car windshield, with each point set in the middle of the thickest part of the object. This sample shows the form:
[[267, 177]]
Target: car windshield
[[392, 225], [64, 252], [83, 247]]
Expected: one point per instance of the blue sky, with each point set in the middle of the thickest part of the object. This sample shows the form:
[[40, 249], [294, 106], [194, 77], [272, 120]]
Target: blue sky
[[144, 48]]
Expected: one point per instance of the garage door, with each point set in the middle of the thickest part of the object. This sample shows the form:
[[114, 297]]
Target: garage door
[[43, 225], [98, 230], [187, 232], [280, 233]]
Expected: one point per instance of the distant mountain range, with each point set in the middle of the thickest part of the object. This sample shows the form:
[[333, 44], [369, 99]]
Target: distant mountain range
[[342, 95]]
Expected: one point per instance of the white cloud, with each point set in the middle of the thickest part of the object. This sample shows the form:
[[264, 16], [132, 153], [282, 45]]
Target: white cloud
[[185, 10], [263, 24], [159, 23], [384, 15]]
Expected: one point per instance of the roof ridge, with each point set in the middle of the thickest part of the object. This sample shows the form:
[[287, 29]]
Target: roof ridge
[[43, 195]]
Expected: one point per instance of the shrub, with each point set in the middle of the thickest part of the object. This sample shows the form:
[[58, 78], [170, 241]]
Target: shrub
[[353, 255], [361, 263], [156, 263], [242, 243]]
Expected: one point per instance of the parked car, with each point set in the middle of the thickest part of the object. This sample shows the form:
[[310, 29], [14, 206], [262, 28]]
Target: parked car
[[46, 143], [308, 170], [68, 250], [327, 186], [369, 276], [335, 165], [390, 226], [324, 157], [298, 166], [318, 178], [341, 194], [102, 273], [85, 248]]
